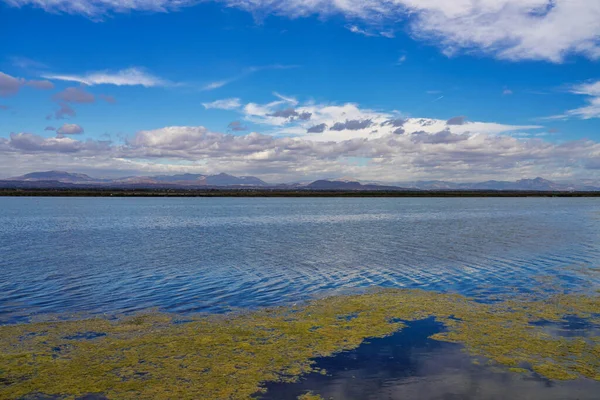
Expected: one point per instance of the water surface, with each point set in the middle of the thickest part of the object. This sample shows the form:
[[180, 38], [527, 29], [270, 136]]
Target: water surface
[[107, 255]]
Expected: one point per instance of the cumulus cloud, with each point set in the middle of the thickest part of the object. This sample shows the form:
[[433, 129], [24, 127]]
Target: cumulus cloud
[[358, 122], [352, 125], [30, 143], [290, 114], [442, 137], [276, 112], [74, 95], [70, 129], [305, 116], [317, 128], [126, 77], [49, 128], [285, 113], [224, 104], [417, 155], [396, 122], [420, 154], [457, 120], [9, 85], [394, 147]]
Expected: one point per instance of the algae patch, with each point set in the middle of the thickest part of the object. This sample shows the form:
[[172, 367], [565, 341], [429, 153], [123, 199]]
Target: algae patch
[[230, 356]]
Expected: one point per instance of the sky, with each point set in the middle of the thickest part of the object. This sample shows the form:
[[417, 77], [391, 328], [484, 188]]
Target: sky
[[297, 90]]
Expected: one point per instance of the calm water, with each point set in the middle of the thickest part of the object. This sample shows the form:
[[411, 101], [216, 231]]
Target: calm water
[[409, 366], [106, 255]]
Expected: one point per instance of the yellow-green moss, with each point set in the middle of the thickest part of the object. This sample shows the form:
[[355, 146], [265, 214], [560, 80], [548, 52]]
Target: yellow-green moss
[[230, 356], [310, 396]]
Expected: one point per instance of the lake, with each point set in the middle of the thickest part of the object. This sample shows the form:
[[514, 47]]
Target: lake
[[105, 255], [92, 256]]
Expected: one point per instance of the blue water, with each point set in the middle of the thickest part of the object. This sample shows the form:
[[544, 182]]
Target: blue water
[[111, 255], [409, 366]]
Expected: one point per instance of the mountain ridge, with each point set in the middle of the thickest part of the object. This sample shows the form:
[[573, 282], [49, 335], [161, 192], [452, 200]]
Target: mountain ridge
[[58, 178]]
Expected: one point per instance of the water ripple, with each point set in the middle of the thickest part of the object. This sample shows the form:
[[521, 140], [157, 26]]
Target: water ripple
[[102, 255]]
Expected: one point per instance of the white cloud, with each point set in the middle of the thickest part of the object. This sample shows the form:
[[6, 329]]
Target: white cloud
[[217, 84], [332, 122], [28, 143], [124, 77], [591, 110], [96, 9], [588, 89], [224, 104], [356, 29], [288, 99], [389, 157], [509, 29]]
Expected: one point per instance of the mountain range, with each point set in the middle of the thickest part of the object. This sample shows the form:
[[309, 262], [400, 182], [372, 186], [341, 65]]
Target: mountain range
[[62, 179], [181, 180]]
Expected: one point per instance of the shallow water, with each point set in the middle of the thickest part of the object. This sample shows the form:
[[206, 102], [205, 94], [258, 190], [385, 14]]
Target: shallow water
[[107, 255], [409, 366]]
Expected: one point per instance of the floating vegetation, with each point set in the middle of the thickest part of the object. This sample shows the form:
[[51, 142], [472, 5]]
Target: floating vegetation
[[156, 356], [310, 396]]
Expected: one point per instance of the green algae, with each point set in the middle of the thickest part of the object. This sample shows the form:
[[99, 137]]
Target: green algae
[[310, 396], [155, 356]]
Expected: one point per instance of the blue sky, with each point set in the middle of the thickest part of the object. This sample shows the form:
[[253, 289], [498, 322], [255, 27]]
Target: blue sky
[[294, 90]]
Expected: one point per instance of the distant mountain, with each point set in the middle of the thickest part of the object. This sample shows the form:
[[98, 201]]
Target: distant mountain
[[537, 184], [325, 184], [181, 178], [59, 176], [61, 179], [230, 180], [190, 180]]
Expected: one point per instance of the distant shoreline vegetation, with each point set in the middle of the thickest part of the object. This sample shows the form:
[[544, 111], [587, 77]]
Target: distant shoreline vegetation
[[256, 192]]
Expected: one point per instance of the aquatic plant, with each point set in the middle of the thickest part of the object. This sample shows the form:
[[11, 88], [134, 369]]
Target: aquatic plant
[[310, 396], [156, 356]]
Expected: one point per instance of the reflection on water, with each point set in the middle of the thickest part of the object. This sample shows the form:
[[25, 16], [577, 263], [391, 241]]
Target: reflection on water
[[105, 255], [409, 366]]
